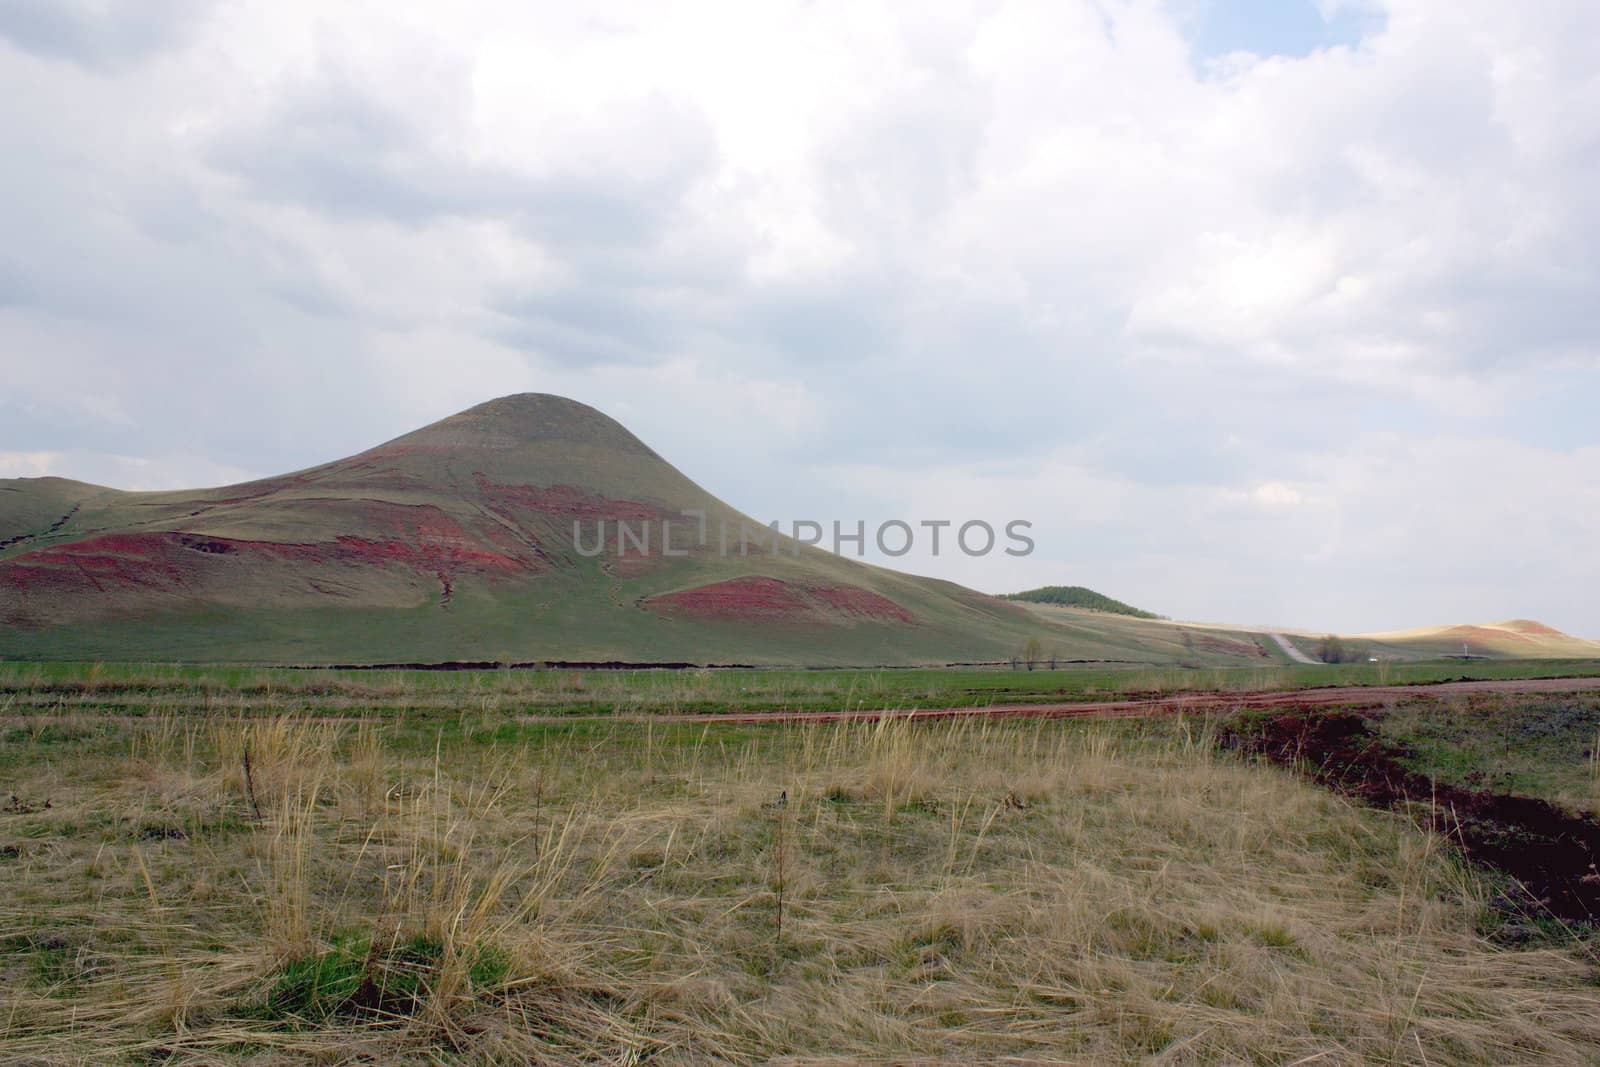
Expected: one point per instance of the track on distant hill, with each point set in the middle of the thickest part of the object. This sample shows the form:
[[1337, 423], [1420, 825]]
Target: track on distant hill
[[1177, 703], [1290, 649]]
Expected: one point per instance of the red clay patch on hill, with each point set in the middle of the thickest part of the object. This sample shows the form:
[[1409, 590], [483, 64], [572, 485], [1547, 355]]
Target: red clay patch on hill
[[745, 599], [565, 501], [422, 537], [426, 556], [1483, 635], [1537, 629], [425, 540], [762, 599], [99, 564], [862, 604]]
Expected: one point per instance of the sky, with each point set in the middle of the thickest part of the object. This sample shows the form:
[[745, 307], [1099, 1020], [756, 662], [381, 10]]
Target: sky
[[1266, 312]]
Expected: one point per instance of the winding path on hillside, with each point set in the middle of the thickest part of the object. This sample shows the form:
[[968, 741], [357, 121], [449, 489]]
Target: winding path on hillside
[[1177, 703], [1290, 649]]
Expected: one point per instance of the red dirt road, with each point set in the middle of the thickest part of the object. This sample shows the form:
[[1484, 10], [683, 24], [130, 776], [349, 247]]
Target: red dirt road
[[1362, 695]]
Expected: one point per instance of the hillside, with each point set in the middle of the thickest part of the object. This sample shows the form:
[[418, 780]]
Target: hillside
[[1077, 596], [456, 542], [1516, 638]]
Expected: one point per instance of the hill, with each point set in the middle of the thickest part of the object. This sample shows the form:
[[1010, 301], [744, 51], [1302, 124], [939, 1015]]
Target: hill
[[471, 540], [1077, 596], [1513, 638]]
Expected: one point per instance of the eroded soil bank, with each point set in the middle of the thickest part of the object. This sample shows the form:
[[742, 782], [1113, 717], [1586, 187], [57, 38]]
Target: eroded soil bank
[[1551, 852]]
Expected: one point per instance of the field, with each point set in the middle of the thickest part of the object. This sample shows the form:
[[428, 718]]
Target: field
[[204, 865], [133, 689]]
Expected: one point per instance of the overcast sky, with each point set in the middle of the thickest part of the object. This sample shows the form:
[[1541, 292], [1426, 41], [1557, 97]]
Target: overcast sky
[[1261, 312]]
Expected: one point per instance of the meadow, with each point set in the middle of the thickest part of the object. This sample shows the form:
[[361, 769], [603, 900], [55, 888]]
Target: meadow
[[120, 688], [223, 872], [1546, 747]]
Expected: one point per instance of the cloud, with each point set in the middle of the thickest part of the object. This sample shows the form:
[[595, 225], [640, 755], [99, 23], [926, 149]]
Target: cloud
[[99, 34], [1383, 530], [27, 464], [136, 473], [1222, 324]]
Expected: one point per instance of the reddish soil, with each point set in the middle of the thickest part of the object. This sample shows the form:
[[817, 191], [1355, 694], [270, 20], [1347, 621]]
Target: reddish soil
[[423, 539], [1552, 853], [1369, 696], [110, 560], [1483, 634], [761, 599], [738, 599], [565, 501], [861, 603], [1528, 626], [427, 538], [534, 511]]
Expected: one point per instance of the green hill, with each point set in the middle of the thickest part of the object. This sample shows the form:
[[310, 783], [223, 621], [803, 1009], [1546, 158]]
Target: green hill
[[457, 543], [1077, 596]]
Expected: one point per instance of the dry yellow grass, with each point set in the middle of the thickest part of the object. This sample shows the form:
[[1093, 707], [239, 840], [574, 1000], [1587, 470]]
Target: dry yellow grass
[[952, 892]]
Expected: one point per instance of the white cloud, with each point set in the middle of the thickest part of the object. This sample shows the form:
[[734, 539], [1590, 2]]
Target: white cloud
[[137, 473], [998, 258], [28, 464]]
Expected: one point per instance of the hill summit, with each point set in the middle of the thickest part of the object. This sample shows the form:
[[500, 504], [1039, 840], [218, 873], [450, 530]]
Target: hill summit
[[496, 534]]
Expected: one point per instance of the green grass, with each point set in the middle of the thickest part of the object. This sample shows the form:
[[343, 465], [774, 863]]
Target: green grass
[[353, 975], [1539, 746], [137, 689]]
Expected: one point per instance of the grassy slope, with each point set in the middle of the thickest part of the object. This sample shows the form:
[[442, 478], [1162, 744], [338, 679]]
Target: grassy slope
[[31, 506], [1044, 892], [1513, 638], [295, 593], [379, 558], [573, 624]]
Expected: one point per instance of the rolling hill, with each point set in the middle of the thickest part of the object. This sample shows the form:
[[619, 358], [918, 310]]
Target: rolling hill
[[457, 543], [1513, 638], [1077, 596]]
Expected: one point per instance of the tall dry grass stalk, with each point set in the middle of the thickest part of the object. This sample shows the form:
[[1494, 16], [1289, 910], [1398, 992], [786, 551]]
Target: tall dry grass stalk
[[288, 920], [958, 891]]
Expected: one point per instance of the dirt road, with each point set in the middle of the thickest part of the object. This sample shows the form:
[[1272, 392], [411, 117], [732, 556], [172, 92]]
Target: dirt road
[[1357, 695], [1290, 649]]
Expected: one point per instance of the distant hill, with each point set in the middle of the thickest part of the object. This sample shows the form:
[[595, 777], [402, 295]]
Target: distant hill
[[1512, 638], [456, 543], [1077, 596]]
